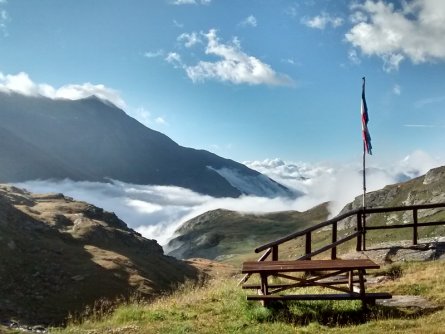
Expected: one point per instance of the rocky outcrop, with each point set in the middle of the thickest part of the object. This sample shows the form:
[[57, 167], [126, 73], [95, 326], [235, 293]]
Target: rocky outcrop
[[429, 188], [59, 255]]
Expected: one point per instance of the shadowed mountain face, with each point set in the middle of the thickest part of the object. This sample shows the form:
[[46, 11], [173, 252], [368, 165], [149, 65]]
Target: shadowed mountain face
[[93, 140], [59, 256]]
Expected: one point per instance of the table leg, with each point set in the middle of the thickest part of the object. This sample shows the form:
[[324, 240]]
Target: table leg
[[361, 278], [264, 287]]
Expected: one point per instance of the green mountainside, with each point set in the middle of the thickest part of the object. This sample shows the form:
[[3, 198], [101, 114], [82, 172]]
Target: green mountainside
[[223, 234]]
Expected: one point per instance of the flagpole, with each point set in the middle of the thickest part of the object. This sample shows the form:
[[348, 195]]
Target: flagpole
[[364, 175], [365, 149]]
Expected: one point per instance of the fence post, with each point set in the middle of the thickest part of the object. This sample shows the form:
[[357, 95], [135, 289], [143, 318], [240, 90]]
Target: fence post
[[308, 248], [359, 230], [275, 253], [415, 227], [334, 239]]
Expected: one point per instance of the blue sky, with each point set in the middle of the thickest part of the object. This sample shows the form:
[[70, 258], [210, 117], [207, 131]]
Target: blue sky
[[245, 79]]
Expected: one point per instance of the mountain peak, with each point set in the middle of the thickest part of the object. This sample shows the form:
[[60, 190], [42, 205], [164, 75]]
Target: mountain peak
[[82, 140]]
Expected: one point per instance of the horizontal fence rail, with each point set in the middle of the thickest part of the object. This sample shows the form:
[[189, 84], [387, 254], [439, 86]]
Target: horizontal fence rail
[[359, 233]]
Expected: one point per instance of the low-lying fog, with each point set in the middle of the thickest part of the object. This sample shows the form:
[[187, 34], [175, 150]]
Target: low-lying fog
[[156, 211]]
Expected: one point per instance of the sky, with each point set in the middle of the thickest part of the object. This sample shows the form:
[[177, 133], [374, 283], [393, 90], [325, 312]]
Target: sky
[[275, 84], [246, 79]]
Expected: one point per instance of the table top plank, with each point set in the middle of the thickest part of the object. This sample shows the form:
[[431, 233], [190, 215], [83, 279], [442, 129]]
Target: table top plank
[[306, 265]]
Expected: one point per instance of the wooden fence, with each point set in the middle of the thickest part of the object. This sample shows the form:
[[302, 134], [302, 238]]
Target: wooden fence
[[272, 248]]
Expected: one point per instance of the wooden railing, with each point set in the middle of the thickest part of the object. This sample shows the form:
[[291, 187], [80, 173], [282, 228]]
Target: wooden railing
[[359, 233]]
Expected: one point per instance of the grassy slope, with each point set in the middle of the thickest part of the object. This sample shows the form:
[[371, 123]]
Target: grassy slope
[[233, 236], [221, 307]]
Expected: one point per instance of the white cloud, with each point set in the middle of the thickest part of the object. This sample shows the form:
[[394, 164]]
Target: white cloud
[[431, 100], [414, 31], [397, 90], [21, 83], [424, 126], [4, 19], [192, 2], [249, 21], [322, 21], [145, 117], [340, 184], [174, 59], [154, 54], [160, 120], [178, 24], [156, 211], [189, 39], [234, 66], [353, 57]]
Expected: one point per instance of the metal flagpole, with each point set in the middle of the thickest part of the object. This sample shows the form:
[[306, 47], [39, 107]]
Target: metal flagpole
[[366, 138], [364, 196]]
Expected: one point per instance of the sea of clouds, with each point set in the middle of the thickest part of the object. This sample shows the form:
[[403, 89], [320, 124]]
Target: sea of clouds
[[157, 211]]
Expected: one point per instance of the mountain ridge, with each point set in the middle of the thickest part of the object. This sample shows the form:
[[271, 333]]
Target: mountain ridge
[[92, 140]]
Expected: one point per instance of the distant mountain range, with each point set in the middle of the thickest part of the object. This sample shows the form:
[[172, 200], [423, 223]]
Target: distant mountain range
[[91, 139]]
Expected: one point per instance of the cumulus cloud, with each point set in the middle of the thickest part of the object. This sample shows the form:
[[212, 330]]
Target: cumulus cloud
[[249, 21], [21, 83], [414, 31], [340, 184], [322, 21], [397, 90], [234, 65], [157, 211]]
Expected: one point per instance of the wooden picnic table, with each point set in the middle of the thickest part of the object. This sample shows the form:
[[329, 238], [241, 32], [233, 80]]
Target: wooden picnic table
[[319, 273]]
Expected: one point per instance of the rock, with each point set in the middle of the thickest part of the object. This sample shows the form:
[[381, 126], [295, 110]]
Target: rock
[[408, 301]]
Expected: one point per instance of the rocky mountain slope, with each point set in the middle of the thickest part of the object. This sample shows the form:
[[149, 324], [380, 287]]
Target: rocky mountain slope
[[59, 255], [428, 188], [221, 234], [91, 139]]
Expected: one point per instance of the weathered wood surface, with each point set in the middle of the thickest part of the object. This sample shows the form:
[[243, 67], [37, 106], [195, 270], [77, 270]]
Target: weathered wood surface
[[271, 267], [336, 296]]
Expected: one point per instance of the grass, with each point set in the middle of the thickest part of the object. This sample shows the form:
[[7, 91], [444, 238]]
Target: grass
[[220, 306]]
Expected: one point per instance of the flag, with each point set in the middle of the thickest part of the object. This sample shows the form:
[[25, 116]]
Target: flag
[[365, 119]]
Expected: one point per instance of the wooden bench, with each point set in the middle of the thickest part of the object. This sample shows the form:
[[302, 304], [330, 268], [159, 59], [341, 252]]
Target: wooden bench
[[319, 273]]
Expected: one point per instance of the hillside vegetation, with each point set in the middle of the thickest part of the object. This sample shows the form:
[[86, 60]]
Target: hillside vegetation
[[59, 256], [221, 307], [231, 236]]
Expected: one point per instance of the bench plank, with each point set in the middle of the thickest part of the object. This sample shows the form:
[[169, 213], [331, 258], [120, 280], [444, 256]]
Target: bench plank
[[342, 296], [327, 282], [306, 265]]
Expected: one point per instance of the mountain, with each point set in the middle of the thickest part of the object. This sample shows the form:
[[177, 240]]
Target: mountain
[[221, 234], [91, 139], [59, 256], [428, 188]]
